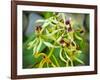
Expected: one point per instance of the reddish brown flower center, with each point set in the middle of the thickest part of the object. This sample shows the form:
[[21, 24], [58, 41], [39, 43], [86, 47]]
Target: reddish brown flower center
[[67, 22], [62, 41], [69, 29], [38, 28]]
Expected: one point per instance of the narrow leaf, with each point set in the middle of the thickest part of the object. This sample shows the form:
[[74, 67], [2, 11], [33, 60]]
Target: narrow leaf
[[78, 60], [56, 60]]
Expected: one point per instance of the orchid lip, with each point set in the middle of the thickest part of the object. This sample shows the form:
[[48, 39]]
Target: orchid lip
[[62, 41], [38, 28], [67, 22]]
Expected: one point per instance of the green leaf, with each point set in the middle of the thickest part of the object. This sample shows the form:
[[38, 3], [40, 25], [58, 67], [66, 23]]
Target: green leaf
[[47, 15], [77, 59], [55, 60], [53, 64], [30, 38]]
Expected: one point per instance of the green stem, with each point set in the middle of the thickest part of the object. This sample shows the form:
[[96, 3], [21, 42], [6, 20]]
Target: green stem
[[67, 63], [69, 58], [47, 64], [41, 64], [71, 63], [50, 52], [53, 64], [56, 61], [61, 57]]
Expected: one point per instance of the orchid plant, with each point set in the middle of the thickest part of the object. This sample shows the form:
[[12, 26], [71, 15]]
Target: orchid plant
[[56, 35]]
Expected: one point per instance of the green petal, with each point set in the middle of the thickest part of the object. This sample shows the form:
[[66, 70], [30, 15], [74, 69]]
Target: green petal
[[54, 32], [49, 44], [45, 24], [79, 38], [39, 46], [61, 57], [40, 20]]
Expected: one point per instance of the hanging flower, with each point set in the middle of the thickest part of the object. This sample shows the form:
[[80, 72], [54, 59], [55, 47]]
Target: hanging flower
[[68, 25]]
